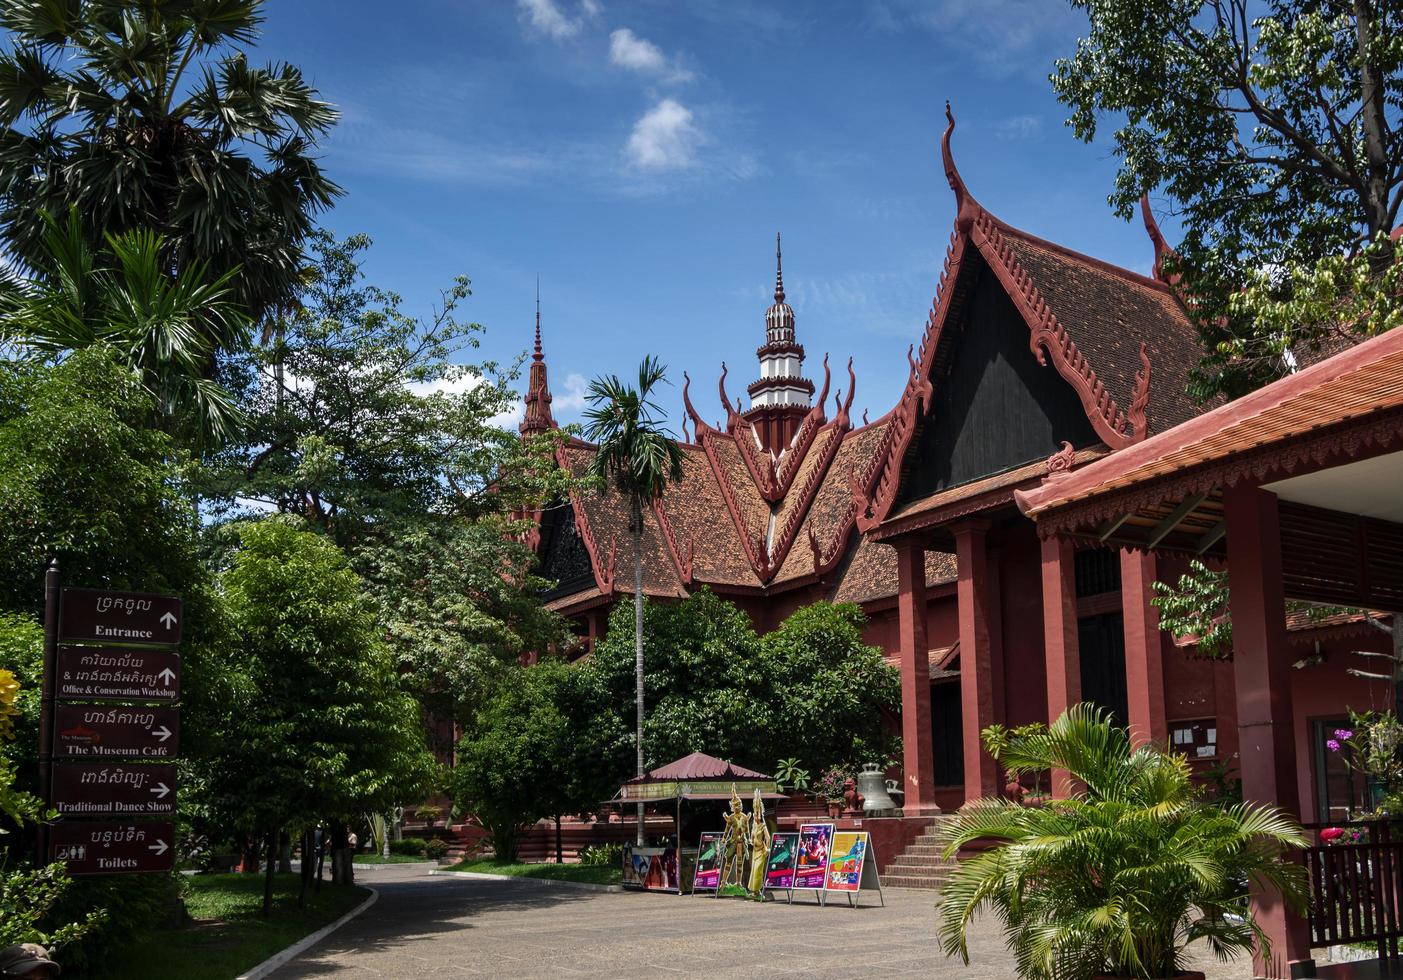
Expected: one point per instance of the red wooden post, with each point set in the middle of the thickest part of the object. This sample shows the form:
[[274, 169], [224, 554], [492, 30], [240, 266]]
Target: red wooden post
[[1060, 646], [1144, 659], [917, 750], [1262, 674], [980, 655]]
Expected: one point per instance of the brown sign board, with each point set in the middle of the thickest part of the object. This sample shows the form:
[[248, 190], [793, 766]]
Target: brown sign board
[[108, 789], [120, 617], [112, 847], [112, 673], [91, 731]]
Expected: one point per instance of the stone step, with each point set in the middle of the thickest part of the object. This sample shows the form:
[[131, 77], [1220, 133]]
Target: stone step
[[904, 881], [902, 868], [933, 849]]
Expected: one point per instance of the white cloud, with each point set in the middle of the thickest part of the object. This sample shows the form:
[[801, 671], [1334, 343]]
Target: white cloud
[[628, 50], [547, 17], [665, 138], [1019, 127], [572, 399]]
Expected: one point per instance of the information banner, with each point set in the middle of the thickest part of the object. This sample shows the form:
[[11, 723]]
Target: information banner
[[708, 873], [104, 848], [846, 860], [815, 844], [654, 869], [779, 868]]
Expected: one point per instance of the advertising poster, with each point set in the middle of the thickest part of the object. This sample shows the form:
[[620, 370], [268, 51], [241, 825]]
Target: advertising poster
[[845, 861], [815, 842], [651, 868], [779, 868], [708, 874]]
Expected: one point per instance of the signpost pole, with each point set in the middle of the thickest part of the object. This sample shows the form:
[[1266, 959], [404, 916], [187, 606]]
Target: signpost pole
[[46, 702]]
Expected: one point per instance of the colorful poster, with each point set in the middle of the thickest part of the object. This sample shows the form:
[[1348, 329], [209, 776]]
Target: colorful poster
[[779, 868], [845, 861], [708, 874], [815, 843], [651, 868]]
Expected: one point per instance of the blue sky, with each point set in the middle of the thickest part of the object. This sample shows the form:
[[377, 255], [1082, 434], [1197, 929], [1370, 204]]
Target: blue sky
[[639, 156]]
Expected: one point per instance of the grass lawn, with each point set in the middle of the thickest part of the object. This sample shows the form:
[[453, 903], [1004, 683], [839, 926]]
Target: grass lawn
[[593, 873], [229, 936], [392, 859]]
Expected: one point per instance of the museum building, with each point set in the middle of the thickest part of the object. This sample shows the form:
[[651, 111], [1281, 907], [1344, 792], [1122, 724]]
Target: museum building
[[1037, 368]]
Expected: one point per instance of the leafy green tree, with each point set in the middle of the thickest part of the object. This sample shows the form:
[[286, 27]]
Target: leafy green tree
[[124, 299], [810, 690], [829, 690], [1274, 127], [364, 421], [146, 114], [319, 726], [1119, 878], [636, 457], [532, 751]]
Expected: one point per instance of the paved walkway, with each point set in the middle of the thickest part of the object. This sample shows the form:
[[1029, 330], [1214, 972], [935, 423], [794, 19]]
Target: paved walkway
[[438, 926]]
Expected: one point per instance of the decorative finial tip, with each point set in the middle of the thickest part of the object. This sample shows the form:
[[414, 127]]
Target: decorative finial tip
[[779, 271]]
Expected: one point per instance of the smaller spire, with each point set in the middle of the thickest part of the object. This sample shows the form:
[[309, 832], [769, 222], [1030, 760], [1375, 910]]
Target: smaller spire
[[538, 356], [538, 417], [779, 272]]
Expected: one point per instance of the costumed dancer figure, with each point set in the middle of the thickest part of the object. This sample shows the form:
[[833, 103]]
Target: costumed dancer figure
[[760, 838], [735, 843]]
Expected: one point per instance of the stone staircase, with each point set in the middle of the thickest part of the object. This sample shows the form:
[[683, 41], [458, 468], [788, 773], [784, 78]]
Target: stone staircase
[[920, 865]]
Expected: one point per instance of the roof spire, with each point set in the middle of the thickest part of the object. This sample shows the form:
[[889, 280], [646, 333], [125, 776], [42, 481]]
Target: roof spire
[[538, 416], [779, 272], [964, 201]]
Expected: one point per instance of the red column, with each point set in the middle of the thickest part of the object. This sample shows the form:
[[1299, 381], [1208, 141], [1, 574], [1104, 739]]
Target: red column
[[980, 655], [1144, 659], [917, 749], [1262, 676], [1060, 647]]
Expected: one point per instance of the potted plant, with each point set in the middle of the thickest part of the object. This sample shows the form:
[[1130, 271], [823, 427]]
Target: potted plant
[[429, 814], [1118, 879], [831, 786]]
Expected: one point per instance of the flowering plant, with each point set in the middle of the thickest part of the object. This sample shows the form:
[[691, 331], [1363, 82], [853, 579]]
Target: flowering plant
[[1344, 835], [1373, 746], [830, 785]]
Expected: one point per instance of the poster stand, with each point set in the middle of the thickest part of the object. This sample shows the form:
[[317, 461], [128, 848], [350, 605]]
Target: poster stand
[[780, 863], [840, 877], [810, 869]]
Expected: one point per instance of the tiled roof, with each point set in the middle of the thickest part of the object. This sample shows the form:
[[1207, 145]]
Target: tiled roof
[[871, 574]]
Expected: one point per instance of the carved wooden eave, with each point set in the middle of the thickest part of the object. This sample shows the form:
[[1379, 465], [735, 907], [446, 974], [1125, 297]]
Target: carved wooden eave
[[601, 565], [683, 563], [875, 488]]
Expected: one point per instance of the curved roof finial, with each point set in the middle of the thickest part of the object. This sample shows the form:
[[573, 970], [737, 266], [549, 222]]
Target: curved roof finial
[[1162, 249], [697, 423], [779, 272], [964, 201]]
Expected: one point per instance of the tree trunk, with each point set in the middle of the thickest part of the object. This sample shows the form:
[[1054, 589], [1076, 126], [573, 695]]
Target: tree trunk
[[284, 853], [340, 854], [559, 850], [320, 838], [268, 874], [305, 870], [1375, 124], [638, 643]]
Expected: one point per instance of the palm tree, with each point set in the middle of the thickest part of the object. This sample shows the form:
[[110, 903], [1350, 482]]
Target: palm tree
[[638, 457], [158, 325], [145, 114], [1118, 879]]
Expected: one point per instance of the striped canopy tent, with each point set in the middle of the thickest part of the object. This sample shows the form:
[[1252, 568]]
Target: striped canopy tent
[[697, 777]]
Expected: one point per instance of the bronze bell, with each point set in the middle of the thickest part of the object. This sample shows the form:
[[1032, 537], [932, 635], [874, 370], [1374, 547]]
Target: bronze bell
[[872, 784]]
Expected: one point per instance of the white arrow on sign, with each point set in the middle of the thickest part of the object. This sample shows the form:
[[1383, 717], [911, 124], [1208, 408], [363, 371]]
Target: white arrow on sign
[[161, 790], [167, 676], [162, 733], [169, 620], [160, 847]]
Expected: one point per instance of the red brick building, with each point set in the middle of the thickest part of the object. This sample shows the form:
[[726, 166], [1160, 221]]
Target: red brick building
[[1034, 361]]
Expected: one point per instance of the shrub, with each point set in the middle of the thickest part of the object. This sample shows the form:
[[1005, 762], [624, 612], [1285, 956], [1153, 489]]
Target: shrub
[[1119, 878], [436, 849], [602, 855], [410, 846]]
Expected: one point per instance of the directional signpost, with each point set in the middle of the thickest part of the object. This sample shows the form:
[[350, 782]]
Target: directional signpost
[[106, 848], [109, 731], [115, 674], [103, 789]]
